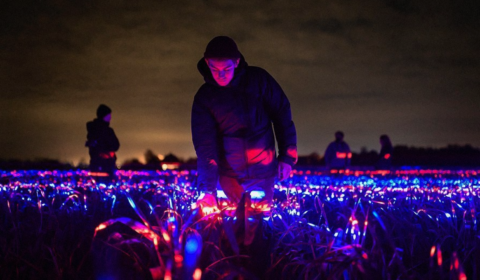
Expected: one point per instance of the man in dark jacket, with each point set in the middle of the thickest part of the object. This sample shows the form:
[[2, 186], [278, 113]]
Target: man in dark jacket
[[385, 158], [232, 117], [338, 154], [102, 143]]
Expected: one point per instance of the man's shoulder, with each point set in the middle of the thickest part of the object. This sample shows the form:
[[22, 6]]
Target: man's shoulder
[[331, 145], [91, 124], [97, 125], [257, 74], [255, 70]]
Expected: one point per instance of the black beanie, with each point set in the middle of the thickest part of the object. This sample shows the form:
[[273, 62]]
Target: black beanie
[[103, 110], [222, 47]]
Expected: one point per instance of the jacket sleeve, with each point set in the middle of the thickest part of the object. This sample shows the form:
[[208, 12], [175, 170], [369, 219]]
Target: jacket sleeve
[[92, 133], [280, 113], [107, 141], [205, 141], [90, 141], [113, 143]]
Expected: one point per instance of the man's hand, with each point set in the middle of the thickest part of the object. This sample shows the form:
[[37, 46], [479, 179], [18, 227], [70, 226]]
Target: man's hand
[[284, 170], [208, 203]]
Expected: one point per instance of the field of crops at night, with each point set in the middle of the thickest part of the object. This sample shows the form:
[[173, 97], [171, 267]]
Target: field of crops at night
[[403, 224]]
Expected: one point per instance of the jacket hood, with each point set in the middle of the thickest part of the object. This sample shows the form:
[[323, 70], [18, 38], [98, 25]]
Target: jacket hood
[[207, 74]]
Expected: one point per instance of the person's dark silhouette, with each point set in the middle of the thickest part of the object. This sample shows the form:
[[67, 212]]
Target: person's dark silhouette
[[102, 143], [385, 158], [237, 115], [338, 154]]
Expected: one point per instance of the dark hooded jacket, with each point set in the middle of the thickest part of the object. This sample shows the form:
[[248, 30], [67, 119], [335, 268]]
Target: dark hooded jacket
[[337, 155], [102, 144], [385, 158], [232, 126]]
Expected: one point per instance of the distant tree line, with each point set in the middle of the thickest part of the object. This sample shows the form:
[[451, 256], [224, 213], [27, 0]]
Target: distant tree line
[[452, 156], [154, 162], [36, 164], [447, 157]]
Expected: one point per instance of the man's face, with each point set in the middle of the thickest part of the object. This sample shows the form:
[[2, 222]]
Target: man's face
[[222, 70], [108, 118]]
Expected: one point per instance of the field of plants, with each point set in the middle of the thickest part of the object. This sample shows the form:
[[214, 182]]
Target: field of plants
[[403, 224]]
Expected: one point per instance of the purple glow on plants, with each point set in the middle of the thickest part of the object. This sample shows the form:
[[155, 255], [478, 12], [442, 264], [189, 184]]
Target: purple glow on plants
[[323, 219]]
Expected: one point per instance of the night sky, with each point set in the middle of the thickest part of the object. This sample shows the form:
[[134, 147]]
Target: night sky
[[409, 69]]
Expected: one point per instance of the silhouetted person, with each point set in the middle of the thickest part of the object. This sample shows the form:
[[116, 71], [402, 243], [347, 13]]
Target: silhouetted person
[[385, 158], [232, 117], [102, 143], [337, 154]]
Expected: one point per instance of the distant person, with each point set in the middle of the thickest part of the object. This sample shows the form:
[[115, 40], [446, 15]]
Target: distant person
[[385, 158], [338, 154], [232, 117], [102, 143]]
